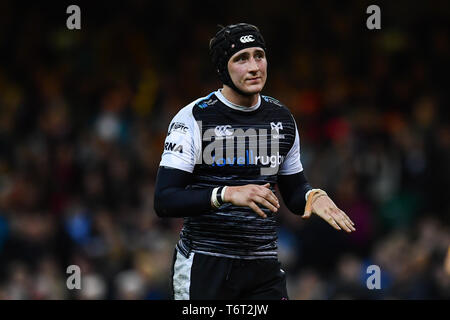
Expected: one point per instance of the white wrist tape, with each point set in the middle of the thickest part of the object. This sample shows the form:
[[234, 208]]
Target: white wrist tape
[[223, 193], [214, 198]]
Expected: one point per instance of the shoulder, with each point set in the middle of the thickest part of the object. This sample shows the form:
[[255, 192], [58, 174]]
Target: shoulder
[[192, 111], [278, 107], [186, 113], [206, 101], [275, 103], [272, 100], [184, 120]]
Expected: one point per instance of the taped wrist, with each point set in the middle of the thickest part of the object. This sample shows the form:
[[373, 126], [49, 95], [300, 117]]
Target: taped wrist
[[218, 196], [312, 197]]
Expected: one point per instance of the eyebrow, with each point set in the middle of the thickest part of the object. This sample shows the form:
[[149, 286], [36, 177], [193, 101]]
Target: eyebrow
[[246, 54]]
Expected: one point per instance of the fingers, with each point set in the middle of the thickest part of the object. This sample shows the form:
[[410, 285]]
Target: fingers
[[307, 213], [327, 210], [344, 219], [267, 194], [335, 219], [264, 196], [339, 219], [265, 203], [308, 207], [349, 220], [255, 208], [342, 214], [330, 220], [343, 223]]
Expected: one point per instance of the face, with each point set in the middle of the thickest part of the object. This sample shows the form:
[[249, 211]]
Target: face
[[248, 69]]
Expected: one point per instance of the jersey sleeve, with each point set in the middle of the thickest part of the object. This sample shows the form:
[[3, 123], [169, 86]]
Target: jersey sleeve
[[182, 144], [292, 163]]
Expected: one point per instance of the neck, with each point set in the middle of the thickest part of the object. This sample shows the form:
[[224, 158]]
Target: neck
[[240, 100]]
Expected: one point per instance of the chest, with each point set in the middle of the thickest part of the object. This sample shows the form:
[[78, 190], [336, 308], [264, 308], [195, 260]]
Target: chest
[[235, 142]]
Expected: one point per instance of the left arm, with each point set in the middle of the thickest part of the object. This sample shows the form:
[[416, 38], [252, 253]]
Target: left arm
[[293, 189], [300, 197]]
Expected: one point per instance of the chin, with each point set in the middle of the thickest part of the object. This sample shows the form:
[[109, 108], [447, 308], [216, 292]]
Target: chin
[[253, 89]]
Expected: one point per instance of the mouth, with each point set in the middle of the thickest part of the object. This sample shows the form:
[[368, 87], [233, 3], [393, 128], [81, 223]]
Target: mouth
[[254, 79]]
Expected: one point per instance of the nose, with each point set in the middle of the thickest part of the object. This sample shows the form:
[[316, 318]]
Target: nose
[[253, 65]]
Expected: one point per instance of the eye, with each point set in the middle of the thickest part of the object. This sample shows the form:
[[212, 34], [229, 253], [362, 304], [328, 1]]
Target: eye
[[259, 55]]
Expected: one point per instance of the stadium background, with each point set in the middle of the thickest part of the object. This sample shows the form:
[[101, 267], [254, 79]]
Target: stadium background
[[83, 117]]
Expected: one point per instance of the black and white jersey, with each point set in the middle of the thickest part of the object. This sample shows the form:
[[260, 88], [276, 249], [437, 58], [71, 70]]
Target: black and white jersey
[[223, 144]]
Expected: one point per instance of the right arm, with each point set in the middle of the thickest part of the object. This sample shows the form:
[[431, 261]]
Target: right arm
[[173, 195], [174, 198]]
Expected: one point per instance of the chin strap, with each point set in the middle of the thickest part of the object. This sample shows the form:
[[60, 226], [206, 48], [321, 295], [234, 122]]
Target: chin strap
[[227, 80]]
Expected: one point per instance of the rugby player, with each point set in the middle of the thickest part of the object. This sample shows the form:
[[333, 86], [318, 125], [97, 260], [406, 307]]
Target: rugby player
[[223, 155]]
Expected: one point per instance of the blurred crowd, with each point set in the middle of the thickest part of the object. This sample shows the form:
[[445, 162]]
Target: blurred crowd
[[84, 114]]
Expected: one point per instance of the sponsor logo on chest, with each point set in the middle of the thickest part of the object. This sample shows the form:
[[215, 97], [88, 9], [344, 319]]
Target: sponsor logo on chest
[[225, 145]]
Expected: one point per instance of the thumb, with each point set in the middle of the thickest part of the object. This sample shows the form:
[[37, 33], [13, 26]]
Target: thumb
[[308, 210], [307, 213], [267, 185]]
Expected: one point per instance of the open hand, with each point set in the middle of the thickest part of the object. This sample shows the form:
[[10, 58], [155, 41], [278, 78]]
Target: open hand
[[325, 208]]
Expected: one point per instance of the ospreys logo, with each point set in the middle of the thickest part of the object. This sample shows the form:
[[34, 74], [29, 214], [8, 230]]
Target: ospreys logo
[[277, 127]]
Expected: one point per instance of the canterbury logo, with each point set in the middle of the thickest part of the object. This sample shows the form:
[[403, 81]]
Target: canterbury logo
[[245, 39], [222, 131]]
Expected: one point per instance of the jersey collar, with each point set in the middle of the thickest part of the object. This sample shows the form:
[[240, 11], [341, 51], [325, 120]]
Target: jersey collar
[[234, 106]]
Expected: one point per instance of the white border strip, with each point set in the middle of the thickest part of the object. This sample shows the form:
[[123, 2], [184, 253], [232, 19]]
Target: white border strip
[[182, 276]]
